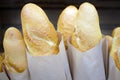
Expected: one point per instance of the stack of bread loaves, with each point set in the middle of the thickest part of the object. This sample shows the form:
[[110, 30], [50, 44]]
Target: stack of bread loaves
[[76, 51]]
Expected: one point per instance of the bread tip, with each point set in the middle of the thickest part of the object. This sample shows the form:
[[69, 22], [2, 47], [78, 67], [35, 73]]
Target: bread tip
[[71, 9], [116, 32], [28, 5], [70, 6], [86, 4], [26, 9], [87, 7], [12, 33]]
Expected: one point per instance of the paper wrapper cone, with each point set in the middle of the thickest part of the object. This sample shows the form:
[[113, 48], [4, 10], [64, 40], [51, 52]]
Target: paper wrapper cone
[[19, 76], [3, 76], [114, 73], [87, 65], [51, 67]]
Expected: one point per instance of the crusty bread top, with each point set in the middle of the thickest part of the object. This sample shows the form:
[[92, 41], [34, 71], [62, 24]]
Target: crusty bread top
[[66, 21], [87, 29], [15, 50], [115, 49], [116, 32], [39, 33]]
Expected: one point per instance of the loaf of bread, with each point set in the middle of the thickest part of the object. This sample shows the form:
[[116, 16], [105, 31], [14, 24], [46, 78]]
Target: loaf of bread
[[87, 29], [115, 49], [65, 23], [15, 51], [39, 33]]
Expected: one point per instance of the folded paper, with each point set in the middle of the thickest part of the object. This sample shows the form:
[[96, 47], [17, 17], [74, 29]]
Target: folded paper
[[50, 67], [87, 65]]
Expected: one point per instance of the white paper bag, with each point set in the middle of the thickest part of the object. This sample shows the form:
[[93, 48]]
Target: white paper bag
[[114, 73], [87, 65], [3, 76], [19, 76], [52, 67]]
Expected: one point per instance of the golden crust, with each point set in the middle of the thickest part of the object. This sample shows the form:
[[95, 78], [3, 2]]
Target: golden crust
[[87, 30], [39, 33], [116, 32], [115, 49], [1, 61], [15, 51], [66, 22]]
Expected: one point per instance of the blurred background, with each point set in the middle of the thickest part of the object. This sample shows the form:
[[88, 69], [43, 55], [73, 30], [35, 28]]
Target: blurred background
[[108, 10]]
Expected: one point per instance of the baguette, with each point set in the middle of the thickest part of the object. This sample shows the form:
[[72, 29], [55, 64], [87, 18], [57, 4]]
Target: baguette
[[39, 33], [115, 49], [66, 23], [87, 30], [15, 51]]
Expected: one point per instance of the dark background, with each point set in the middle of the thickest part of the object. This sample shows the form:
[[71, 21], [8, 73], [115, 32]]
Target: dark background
[[108, 10]]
